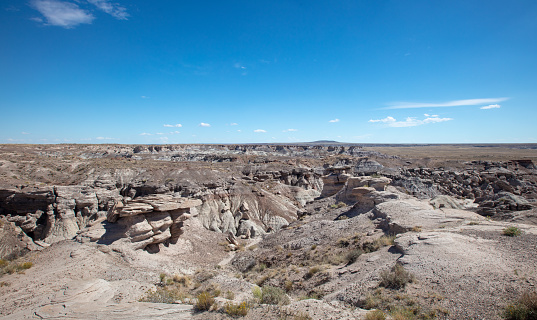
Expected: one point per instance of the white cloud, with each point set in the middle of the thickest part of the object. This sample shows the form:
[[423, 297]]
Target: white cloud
[[290, 130], [159, 133], [25, 132], [144, 134], [113, 9], [173, 125], [455, 103], [335, 120], [105, 138], [260, 130], [492, 106], [175, 132], [410, 121], [63, 14], [204, 124], [233, 124], [385, 120]]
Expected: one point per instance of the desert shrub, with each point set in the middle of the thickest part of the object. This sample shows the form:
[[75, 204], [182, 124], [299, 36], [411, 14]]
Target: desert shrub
[[288, 285], [353, 255], [274, 295], [313, 247], [261, 267], [164, 295], [183, 280], [416, 228], [3, 263], [312, 271], [230, 295], [396, 278], [240, 309], [203, 275], [302, 316], [4, 284], [375, 315], [338, 205], [14, 267], [524, 309], [512, 231], [204, 301], [257, 292]]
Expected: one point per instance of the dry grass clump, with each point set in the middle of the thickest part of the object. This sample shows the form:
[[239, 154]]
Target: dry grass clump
[[512, 231], [240, 309], [312, 271], [396, 278], [375, 315], [165, 295], [204, 302], [274, 295], [12, 267], [400, 306], [524, 309]]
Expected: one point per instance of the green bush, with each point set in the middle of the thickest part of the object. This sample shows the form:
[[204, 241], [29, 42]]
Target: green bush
[[396, 278], [274, 295], [524, 309], [512, 231], [257, 292], [204, 301]]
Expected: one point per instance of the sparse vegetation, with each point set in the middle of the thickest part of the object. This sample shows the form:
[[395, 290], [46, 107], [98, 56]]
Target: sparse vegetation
[[353, 255], [524, 309], [396, 278], [204, 302], [165, 295], [416, 229], [257, 292], [375, 315], [240, 309], [312, 271], [274, 295], [512, 231], [338, 205], [13, 266]]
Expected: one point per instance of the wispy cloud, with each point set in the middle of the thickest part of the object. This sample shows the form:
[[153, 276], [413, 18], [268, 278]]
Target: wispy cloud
[[25, 132], [175, 132], [335, 120], [260, 131], [410, 121], [105, 138], [290, 130], [61, 13], [145, 134], [233, 124], [492, 106], [113, 9], [173, 125], [455, 103], [203, 124]]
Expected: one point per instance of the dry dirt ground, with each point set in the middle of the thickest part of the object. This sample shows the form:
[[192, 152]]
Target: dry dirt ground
[[330, 262]]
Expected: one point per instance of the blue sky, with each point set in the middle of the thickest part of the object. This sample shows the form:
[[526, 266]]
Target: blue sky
[[99, 71]]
